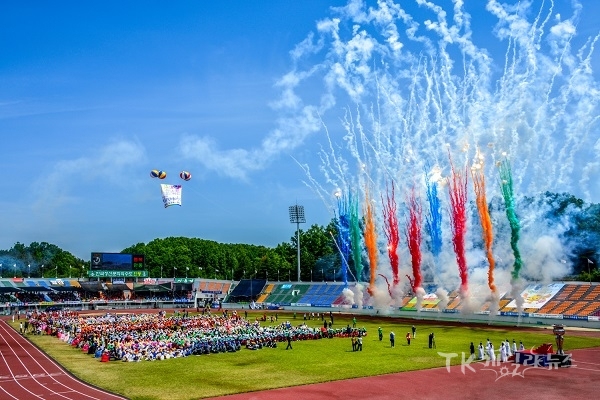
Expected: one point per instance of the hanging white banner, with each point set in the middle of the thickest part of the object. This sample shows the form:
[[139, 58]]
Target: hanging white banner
[[171, 195]]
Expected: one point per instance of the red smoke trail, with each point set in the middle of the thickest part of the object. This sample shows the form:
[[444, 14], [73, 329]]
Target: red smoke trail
[[413, 237], [390, 225], [388, 283], [370, 236], [457, 186], [486, 221], [412, 283]]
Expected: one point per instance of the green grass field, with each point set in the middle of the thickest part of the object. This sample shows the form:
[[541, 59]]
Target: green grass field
[[308, 362]]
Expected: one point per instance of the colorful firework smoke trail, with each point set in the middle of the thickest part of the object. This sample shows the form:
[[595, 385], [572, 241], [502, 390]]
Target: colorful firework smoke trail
[[433, 220], [355, 236], [390, 225], [388, 284], [343, 242], [457, 186], [484, 218], [370, 235], [412, 83], [413, 238], [506, 185]]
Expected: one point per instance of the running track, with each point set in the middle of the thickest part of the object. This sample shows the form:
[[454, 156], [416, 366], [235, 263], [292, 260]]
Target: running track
[[28, 373], [505, 381]]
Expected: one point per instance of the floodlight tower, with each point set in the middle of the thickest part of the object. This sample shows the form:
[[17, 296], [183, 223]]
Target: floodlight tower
[[297, 217]]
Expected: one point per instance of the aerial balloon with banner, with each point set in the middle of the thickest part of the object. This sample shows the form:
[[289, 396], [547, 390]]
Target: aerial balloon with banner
[[171, 194]]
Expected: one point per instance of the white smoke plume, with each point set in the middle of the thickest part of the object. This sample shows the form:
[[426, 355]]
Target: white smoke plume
[[348, 296], [359, 293], [419, 293], [442, 295]]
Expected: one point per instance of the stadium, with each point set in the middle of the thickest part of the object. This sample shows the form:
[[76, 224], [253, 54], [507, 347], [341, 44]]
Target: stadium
[[574, 305], [577, 302]]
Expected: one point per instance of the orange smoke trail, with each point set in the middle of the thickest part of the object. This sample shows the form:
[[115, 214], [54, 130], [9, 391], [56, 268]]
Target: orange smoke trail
[[486, 221], [370, 237]]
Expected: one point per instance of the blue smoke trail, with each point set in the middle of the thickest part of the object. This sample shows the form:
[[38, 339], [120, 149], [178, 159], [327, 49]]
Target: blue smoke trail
[[343, 225], [434, 219]]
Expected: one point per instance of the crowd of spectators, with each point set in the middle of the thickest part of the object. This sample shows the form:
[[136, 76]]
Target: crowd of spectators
[[33, 297], [64, 296], [156, 336]]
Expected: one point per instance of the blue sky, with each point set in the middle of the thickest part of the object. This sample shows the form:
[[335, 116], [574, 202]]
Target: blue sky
[[94, 95]]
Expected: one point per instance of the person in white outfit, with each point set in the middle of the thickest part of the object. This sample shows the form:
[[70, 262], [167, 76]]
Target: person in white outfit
[[491, 354], [503, 357], [507, 348], [480, 355], [514, 346]]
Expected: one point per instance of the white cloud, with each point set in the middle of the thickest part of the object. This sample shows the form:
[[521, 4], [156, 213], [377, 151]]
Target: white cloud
[[109, 162], [238, 163]]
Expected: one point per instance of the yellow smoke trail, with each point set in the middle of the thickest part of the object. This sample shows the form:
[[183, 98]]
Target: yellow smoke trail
[[484, 217], [370, 236]]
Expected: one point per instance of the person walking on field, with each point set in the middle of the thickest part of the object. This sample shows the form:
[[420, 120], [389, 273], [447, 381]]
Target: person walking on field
[[289, 340], [414, 332], [408, 338], [380, 331], [392, 339], [480, 351]]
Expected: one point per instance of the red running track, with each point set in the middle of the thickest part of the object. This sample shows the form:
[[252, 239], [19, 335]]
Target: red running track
[[501, 381], [28, 373]]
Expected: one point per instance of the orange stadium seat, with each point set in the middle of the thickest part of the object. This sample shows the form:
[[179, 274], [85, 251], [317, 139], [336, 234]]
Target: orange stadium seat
[[590, 309], [562, 307], [575, 308], [453, 304], [548, 307], [594, 294], [566, 292], [579, 293], [503, 303]]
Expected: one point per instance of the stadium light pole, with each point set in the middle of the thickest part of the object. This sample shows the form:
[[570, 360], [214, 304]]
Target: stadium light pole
[[70, 275], [161, 272], [56, 272], [277, 274], [186, 271], [297, 217], [322, 275], [0, 270], [42, 270], [15, 267]]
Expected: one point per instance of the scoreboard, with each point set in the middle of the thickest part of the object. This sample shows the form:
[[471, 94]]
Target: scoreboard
[[120, 265]]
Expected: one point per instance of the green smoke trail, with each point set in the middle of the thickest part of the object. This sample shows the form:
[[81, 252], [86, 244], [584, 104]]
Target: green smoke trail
[[506, 184], [355, 237]]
